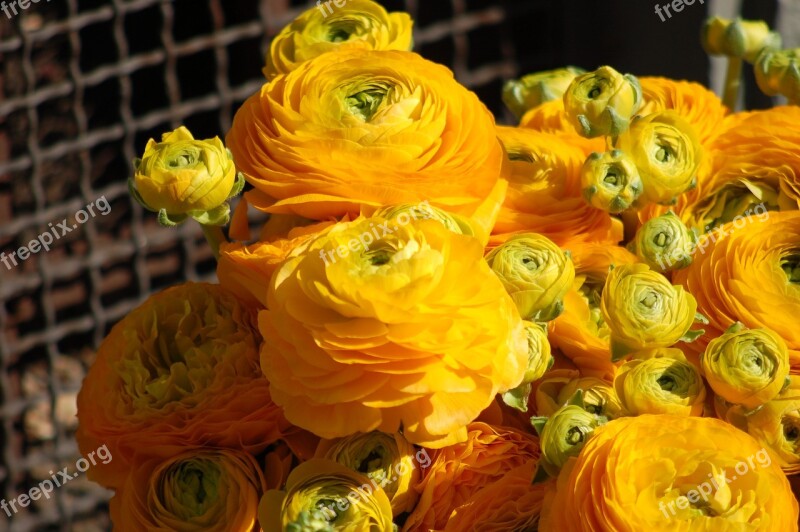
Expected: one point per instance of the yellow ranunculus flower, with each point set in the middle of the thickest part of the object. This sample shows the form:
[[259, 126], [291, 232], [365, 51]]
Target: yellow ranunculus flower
[[738, 38], [667, 152], [405, 212], [544, 194], [197, 490], [746, 367], [181, 177], [360, 129], [610, 181], [563, 434], [377, 326], [778, 72], [532, 90], [745, 274], [324, 495], [670, 473], [660, 381], [602, 102], [388, 460], [696, 104], [776, 425], [664, 243], [357, 25], [581, 332], [557, 387], [535, 272], [643, 310]]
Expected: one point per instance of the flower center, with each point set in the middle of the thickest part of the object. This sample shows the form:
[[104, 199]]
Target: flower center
[[366, 103], [791, 266]]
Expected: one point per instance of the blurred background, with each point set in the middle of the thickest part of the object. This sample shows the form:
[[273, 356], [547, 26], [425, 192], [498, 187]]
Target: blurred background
[[85, 83]]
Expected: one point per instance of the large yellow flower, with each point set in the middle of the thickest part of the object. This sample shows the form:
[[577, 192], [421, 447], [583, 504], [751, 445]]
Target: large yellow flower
[[535, 272], [356, 25], [379, 325], [746, 274], [696, 104], [643, 310], [776, 425], [198, 490], [746, 367], [667, 153], [324, 495], [544, 194], [388, 460], [181, 369], [581, 332], [671, 473], [660, 381], [374, 128], [457, 475]]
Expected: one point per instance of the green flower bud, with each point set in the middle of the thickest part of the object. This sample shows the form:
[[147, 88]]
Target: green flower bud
[[664, 243], [602, 102], [610, 181], [532, 90], [778, 72]]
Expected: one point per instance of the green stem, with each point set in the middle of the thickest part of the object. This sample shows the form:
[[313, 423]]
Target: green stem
[[215, 237], [732, 82]]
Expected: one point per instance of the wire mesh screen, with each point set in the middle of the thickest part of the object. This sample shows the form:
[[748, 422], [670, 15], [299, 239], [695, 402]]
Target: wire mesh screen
[[84, 85]]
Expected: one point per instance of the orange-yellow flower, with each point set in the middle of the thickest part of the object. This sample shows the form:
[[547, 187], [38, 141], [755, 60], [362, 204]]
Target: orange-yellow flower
[[458, 475], [550, 117], [747, 272], [670, 473], [378, 325], [198, 490], [367, 128], [181, 369]]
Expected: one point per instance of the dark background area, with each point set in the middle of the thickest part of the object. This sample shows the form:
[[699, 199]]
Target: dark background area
[[85, 83]]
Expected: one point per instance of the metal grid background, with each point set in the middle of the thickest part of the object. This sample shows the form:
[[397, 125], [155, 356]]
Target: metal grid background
[[84, 85]]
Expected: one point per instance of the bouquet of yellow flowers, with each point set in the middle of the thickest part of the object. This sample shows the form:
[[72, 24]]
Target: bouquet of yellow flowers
[[587, 322]]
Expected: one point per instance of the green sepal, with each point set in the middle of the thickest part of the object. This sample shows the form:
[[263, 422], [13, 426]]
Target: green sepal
[[619, 351], [736, 327], [517, 398], [170, 220], [136, 163], [538, 423], [540, 475], [700, 318], [577, 399], [238, 185], [692, 335], [219, 215]]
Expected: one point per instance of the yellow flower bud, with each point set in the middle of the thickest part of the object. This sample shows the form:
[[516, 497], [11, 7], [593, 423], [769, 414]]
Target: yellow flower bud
[[667, 152], [643, 310], [557, 387], [738, 38], [746, 367], [532, 90], [660, 381], [540, 359], [664, 243], [563, 435], [535, 272], [181, 177], [602, 102], [385, 459], [324, 495], [610, 181], [778, 72]]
